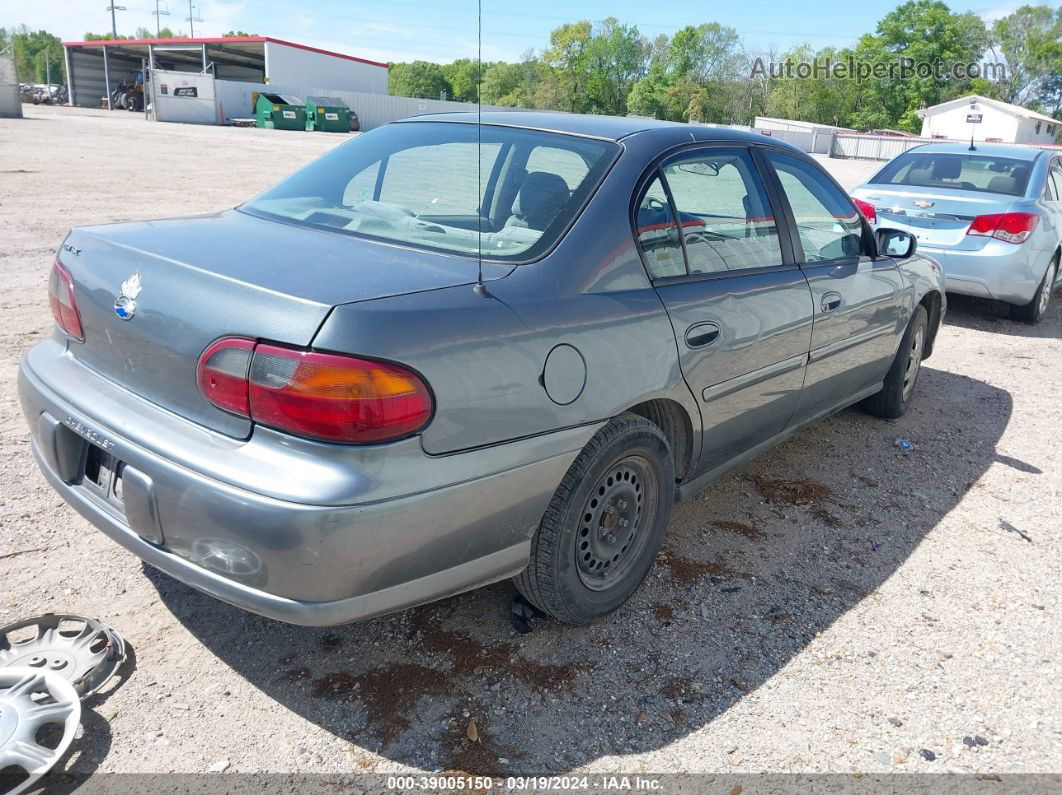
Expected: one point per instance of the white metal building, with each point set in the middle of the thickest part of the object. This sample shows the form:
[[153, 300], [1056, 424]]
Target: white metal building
[[10, 102], [93, 66], [987, 120]]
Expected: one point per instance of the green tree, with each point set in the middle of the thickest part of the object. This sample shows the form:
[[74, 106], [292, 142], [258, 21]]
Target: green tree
[[615, 58], [418, 79], [232, 34], [1030, 41], [463, 76], [565, 81], [36, 53]]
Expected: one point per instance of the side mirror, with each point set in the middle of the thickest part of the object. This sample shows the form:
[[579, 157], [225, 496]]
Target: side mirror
[[896, 243]]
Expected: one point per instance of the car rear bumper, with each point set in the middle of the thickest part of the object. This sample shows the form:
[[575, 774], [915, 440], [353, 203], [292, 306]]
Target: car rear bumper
[[1000, 271], [452, 523]]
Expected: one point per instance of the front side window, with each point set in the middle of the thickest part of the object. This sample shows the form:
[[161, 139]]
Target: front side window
[[455, 187], [724, 215], [827, 222]]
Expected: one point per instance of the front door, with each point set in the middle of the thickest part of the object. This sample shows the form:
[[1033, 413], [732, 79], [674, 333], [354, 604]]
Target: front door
[[740, 307], [858, 299]]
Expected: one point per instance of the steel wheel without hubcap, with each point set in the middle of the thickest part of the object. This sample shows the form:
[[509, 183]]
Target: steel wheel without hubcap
[[611, 538], [910, 375]]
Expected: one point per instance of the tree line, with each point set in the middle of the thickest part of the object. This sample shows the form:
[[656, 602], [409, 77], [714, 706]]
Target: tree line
[[705, 73]]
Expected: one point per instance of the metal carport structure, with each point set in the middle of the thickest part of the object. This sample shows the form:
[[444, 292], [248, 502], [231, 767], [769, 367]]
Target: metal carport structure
[[94, 68]]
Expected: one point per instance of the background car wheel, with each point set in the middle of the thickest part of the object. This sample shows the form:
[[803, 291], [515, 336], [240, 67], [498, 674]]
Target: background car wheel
[[1034, 311], [606, 521], [891, 402]]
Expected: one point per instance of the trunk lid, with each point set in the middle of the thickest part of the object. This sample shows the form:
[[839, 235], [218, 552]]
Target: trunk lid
[[229, 274], [936, 217]]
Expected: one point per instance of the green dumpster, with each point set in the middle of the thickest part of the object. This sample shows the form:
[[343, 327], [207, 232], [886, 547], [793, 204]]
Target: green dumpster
[[276, 112], [328, 114]]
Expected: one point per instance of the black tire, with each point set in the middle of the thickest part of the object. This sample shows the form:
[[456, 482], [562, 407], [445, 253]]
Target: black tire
[[603, 528], [1034, 311], [892, 401]]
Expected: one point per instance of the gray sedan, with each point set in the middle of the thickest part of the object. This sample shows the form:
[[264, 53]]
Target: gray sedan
[[991, 215], [449, 353]]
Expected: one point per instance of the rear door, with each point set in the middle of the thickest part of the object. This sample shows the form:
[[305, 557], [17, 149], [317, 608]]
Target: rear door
[[858, 298], [740, 307]]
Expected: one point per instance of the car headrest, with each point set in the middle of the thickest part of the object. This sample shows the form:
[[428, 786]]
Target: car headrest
[[919, 176], [947, 168], [1003, 184], [541, 195]]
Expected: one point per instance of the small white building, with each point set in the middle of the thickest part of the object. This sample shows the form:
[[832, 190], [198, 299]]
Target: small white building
[[987, 120]]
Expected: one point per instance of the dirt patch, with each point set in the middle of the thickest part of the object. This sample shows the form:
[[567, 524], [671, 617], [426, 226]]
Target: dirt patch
[[387, 694], [466, 652], [825, 516], [664, 613], [677, 688], [479, 757], [741, 529], [549, 677], [792, 492], [686, 572]]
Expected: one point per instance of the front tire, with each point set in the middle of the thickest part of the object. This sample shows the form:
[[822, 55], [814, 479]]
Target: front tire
[[605, 524], [1034, 311], [891, 402]]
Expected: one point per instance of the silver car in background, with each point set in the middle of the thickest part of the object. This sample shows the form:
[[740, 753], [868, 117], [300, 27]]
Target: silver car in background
[[992, 217]]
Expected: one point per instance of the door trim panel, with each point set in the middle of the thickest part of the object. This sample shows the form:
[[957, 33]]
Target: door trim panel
[[739, 382], [826, 351]]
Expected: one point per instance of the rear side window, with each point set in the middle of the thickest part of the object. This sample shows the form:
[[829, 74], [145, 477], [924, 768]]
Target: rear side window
[[826, 220], [724, 215], [972, 172], [1054, 182]]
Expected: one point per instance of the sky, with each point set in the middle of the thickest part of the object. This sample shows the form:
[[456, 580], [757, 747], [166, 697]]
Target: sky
[[405, 30]]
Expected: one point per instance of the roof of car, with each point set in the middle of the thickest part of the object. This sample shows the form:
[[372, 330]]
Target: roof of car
[[993, 150], [613, 128]]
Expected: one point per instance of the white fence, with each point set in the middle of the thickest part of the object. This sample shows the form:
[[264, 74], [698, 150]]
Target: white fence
[[373, 110], [886, 147], [10, 101]]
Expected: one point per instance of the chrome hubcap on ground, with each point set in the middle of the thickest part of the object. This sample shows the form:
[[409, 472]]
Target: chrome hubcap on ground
[[1049, 285], [31, 699], [914, 361], [612, 529]]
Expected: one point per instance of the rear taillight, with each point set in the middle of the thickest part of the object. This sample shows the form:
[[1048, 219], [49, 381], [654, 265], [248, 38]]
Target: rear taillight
[[1010, 227], [64, 305], [317, 395], [222, 374], [867, 209]]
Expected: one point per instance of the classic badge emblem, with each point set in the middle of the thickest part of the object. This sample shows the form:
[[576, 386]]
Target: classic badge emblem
[[923, 203], [125, 304]]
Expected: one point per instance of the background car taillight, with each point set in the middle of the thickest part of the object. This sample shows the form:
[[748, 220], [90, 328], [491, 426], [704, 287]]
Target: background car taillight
[[64, 305], [317, 395], [1010, 227], [867, 209]]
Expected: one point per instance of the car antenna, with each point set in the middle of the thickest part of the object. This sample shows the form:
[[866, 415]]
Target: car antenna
[[972, 147], [480, 289]]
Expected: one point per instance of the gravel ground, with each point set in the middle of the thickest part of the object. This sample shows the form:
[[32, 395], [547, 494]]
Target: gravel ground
[[838, 605]]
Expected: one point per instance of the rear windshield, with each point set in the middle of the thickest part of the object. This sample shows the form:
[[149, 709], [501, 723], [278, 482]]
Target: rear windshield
[[446, 186], [982, 173]]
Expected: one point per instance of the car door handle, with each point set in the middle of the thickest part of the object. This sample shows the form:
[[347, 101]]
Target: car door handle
[[830, 302], [702, 334]]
